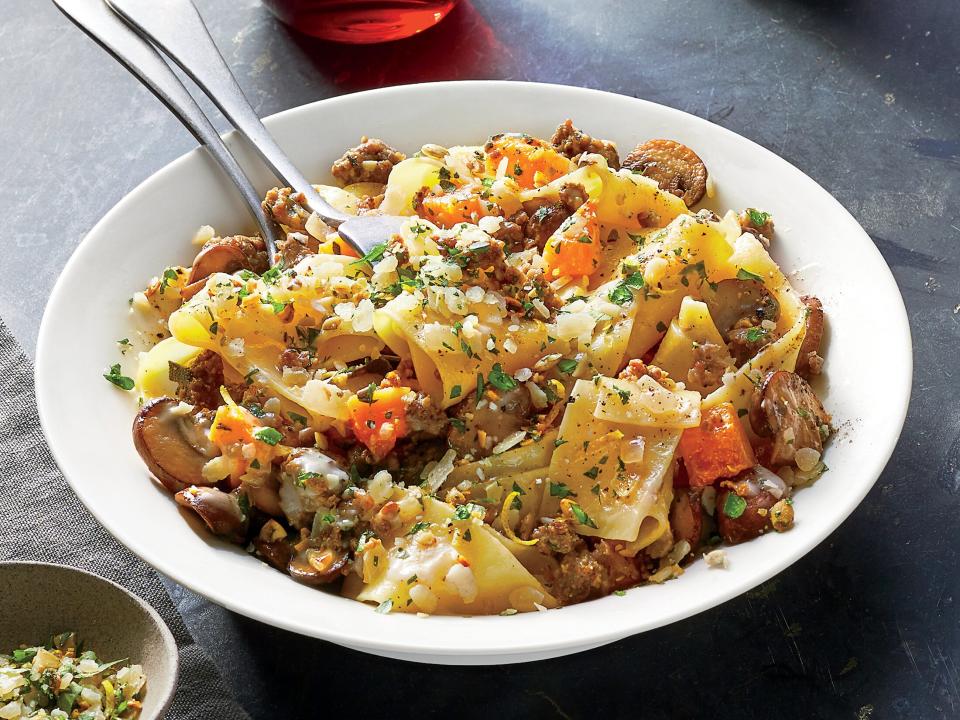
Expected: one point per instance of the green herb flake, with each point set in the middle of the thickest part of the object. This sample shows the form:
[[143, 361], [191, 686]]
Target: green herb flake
[[374, 255], [560, 490], [455, 391], [619, 593], [758, 218], [755, 334], [593, 472], [501, 380], [268, 435], [465, 512], [582, 516], [417, 527], [734, 506], [121, 381], [567, 366], [747, 275], [302, 478], [623, 292]]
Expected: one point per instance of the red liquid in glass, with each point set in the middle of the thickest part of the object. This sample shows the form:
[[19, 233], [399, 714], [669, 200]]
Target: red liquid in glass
[[360, 21]]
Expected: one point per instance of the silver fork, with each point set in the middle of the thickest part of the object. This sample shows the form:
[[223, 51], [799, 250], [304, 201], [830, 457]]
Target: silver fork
[[177, 29]]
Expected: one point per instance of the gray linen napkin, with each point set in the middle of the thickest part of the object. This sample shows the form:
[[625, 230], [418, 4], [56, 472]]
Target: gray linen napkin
[[44, 521]]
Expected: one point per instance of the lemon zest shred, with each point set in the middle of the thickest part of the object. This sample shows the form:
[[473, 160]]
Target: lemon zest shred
[[505, 524]]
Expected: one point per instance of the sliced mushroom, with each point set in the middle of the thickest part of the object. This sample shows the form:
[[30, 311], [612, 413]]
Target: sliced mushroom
[[734, 300], [317, 566], [485, 426], [742, 517], [173, 442], [219, 510], [809, 360], [686, 517], [272, 545], [786, 408], [227, 255], [675, 167]]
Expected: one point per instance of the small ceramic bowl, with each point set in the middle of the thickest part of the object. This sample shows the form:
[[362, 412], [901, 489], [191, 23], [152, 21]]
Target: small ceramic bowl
[[41, 599]]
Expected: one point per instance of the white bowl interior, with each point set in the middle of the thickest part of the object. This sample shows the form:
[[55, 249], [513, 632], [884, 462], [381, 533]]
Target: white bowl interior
[[828, 252]]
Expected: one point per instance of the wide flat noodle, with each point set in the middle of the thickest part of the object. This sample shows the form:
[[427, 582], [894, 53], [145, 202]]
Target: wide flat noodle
[[501, 581], [590, 468]]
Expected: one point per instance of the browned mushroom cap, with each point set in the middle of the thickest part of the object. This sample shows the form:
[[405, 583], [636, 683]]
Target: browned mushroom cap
[[675, 167], [811, 338], [785, 407], [743, 517], [172, 443], [686, 516], [733, 300], [272, 545], [220, 511], [317, 566], [227, 255]]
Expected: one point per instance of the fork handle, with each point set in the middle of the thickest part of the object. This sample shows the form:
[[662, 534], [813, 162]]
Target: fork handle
[[176, 27], [145, 63]]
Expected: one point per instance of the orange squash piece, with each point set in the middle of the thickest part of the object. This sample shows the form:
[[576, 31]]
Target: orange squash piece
[[574, 249], [717, 448], [380, 423], [463, 205], [530, 161]]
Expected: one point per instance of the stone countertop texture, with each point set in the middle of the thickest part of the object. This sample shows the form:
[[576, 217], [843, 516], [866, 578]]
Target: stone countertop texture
[[862, 96]]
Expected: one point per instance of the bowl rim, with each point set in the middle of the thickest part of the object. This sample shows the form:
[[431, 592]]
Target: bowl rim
[[169, 643], [901, 357]]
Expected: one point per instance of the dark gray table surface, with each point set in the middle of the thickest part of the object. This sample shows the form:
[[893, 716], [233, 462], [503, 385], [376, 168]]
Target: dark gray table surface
[[864, 96]]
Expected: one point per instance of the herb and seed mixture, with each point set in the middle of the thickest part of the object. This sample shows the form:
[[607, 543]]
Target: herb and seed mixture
[[559, 380], [63, 680]]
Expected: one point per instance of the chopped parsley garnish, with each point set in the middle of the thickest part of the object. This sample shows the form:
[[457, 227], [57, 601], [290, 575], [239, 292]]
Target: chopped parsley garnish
[[445, 182], [480, 388], [248, 378], [169, 276], [501, 380], [304, 476], [734, 506], [582, 516], [567, 366], [517, 489], [365, 395], [271, 276], [623, 292], [596, 489], [758, 218], [417, 527], [747, 275], [465, 512], [375, 254], [268, 435], [624, 395], [459, 424], [755, 333], [121, 381], [619, 593], [560, 490], [455, 391], [593, 472], [559, 441]]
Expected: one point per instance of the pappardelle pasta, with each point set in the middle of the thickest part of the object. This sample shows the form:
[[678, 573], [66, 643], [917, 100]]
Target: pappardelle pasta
[[557, 382]]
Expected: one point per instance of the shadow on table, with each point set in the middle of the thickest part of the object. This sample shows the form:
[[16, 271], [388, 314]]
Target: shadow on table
[[461, 47]]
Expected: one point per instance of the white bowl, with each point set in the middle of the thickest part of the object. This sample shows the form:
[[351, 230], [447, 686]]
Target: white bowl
[[87, 421]]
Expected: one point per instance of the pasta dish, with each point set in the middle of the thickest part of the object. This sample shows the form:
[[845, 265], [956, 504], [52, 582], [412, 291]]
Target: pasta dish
[[558, 381]]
